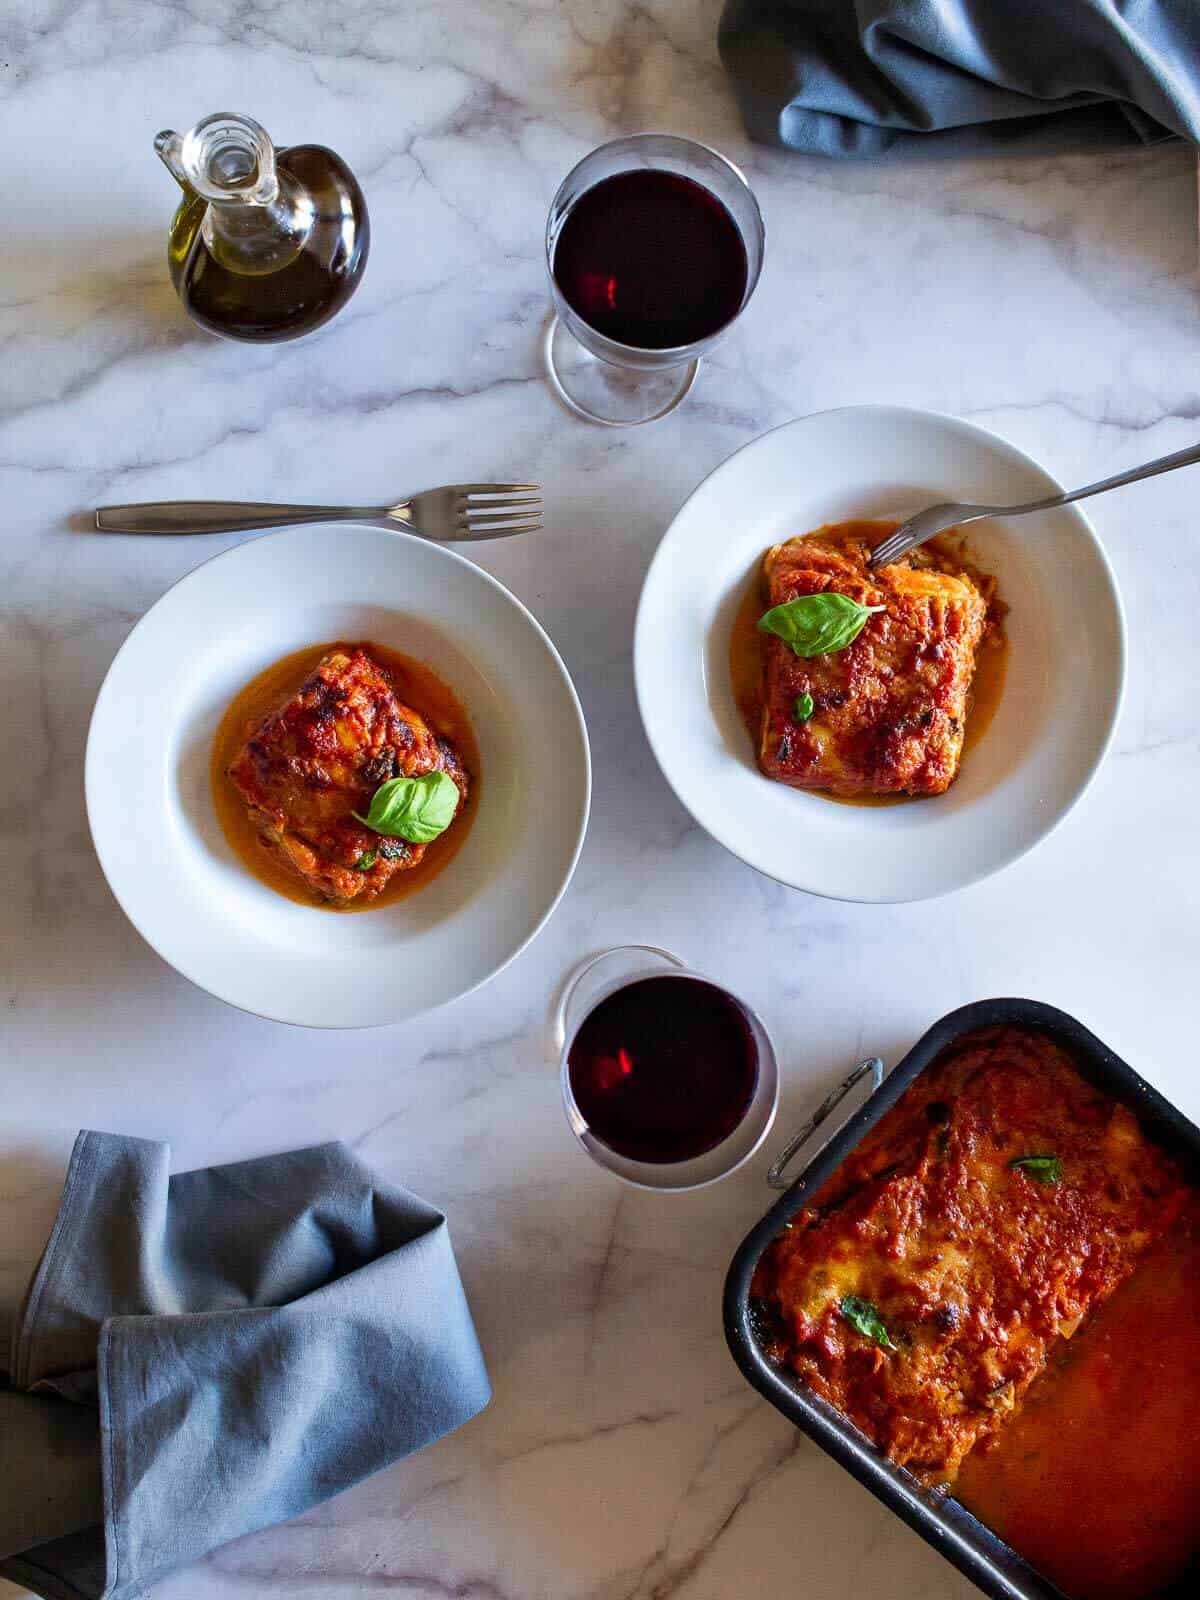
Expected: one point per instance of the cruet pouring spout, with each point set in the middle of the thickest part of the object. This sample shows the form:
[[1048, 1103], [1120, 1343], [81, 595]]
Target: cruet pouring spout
[[226, 158], [168, 147]]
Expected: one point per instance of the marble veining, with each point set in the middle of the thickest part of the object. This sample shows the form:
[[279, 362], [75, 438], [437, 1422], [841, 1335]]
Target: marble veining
[[1054, 299]]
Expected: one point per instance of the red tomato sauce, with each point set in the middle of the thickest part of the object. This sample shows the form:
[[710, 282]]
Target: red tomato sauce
[[1096, 1480]]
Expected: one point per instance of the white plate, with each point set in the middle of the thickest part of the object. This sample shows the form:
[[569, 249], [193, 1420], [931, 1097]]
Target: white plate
[[163, 849], [1066, 663]]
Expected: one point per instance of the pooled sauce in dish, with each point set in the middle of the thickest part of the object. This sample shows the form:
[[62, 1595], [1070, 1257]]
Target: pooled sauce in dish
[[416, 685], [746, 645], [1096, 1480], [664, 1069]]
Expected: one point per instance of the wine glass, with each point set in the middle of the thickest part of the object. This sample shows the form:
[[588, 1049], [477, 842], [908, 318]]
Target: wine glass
[[607, 977], [654, 245]]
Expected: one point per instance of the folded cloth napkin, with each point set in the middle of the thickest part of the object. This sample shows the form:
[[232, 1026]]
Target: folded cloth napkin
[[202, 1355], [869, 77]]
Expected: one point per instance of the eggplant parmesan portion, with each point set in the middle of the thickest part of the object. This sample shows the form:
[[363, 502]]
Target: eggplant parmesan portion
[[936, 1273], [307, 767], [888, 712]]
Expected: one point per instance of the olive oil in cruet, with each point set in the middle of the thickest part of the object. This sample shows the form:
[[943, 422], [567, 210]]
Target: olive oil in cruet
[[266, 244]]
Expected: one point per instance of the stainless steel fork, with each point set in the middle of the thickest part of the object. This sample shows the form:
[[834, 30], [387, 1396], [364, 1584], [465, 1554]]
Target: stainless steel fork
[[936, 519], [463, 511]]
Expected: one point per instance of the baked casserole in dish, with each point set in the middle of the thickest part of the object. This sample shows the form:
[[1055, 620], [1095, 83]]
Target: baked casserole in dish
[[985, 1293]]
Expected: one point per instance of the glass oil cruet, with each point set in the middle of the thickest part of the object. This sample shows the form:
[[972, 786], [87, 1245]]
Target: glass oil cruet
[[266, 244]]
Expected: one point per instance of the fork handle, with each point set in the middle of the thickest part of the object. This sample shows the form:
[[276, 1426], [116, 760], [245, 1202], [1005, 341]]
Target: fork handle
[[219, 516], [936, 519], [1148, 469]]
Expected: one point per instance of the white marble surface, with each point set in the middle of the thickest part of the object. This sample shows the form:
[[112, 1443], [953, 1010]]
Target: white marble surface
[[1055, 300]]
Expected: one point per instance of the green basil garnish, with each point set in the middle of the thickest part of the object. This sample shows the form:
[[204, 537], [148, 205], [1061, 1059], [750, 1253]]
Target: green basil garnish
[[416, 809], [816, 624], [365, 861], [1046, 1169], [864, 1316], [803, 708]]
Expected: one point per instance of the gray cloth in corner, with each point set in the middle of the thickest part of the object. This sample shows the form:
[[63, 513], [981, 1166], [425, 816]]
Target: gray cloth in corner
[[904, 77], [202, 1355]]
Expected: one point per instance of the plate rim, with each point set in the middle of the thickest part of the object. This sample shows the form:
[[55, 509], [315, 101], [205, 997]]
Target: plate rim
[[991, 437], [91, 762]]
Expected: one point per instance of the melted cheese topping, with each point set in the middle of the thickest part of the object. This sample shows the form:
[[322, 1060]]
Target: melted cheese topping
[[975, 1267]]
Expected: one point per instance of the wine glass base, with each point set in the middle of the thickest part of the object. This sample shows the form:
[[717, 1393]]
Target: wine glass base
[[615, 397]]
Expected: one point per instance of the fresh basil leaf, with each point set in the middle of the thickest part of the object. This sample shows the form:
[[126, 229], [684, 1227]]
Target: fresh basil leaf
[[817, 624], [365, 861], [416, 809], [1046, 1169], [864, 1315], [803, 709]]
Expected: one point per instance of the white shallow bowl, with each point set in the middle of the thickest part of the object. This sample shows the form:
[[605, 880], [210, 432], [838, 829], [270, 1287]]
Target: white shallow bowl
[[162, 847], [1066, 664]]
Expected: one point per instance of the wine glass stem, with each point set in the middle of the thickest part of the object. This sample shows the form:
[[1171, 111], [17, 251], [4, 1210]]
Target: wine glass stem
[[563, 389]]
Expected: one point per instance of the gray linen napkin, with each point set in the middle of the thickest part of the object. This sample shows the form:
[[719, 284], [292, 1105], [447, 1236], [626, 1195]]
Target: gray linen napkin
[[202, 1355], [873, 77]]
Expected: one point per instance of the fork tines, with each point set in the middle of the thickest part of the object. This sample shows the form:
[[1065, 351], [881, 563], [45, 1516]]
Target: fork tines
[[499, 508], [888, 550]]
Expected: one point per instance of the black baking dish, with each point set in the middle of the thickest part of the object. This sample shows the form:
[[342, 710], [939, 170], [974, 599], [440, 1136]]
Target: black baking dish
[[940, 1520]]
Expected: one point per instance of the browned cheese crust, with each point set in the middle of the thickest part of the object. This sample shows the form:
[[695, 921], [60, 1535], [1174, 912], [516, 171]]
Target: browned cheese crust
[[978, 1269], [890, 710], [306, 767]]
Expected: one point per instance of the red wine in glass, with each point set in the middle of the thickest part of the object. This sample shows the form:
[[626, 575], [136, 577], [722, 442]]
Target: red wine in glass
[[651, 259], [664, 1069]]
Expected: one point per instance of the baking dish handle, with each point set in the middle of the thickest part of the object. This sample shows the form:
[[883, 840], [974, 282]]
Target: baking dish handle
[[776, 1176]]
